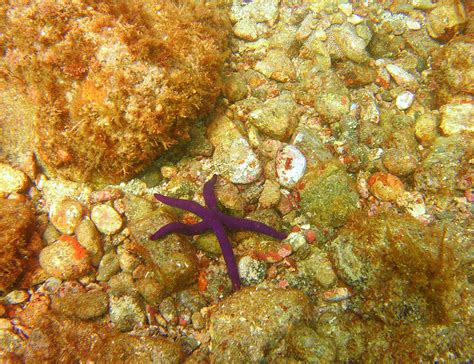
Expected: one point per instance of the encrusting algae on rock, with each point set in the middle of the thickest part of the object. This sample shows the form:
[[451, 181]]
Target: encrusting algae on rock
[[114, 83]]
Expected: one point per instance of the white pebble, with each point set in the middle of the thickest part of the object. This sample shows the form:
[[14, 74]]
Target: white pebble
[[12, 180], [404, 100], [107, 220], [290, 165]]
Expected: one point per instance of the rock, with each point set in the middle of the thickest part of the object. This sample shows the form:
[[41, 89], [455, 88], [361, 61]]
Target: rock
[[389, 258], [107, 220], [296, 240], [332, 106], [252, 322], [404, 100], [12, 180], [259, 10], [15, 297], [108, 266], [351, 44], [337, 294], [385, 186], [270, 194], [317, 269], [399, 162], [456, 118], [453, 73], [65, 259], [168, 310], [56, 338], [277, 66], [235, 88], [402, 77], [88, 236], [290, 165], [252, 271], [65, 215], [11, 343], [126, 312], [310, 347], [208, 243], [446, 19], [426, 129], [277, 117], [16, 227], [248, 29], [174, 256], [328, 195], [237, 161], [439, 170], [51, 234], [82, 305]]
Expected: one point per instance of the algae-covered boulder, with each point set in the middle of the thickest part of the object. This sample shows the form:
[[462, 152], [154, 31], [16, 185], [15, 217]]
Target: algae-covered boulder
[[113, 83], [56, 339], [328, 196], [250, 324], [16, 226], [408, 271]]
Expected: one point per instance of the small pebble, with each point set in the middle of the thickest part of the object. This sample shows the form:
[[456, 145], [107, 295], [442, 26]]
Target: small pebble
[[89, 238], [12, 180], [198, 321], [386, 186], [351, 44], [277, 66], [252, 271], [16, 297], [5, 324], [413, 202], [107, 220], [238, 161], [108, 266], [296, 240], [405, 100], [337, 294], [126, 312], [399, 162], [402, 77], [65, 259], [270, 194], [65, 215], [290, 166], [167, 309]]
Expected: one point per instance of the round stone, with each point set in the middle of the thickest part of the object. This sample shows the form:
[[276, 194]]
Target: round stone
[[126, 312], [386, 186], [65, 259], [12, 180], [404, 100], [65, 215], [290, 165], [107, 220], [252, 271]]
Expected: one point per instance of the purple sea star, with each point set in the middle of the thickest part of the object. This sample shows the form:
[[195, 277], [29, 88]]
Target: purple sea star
[[213, 219]]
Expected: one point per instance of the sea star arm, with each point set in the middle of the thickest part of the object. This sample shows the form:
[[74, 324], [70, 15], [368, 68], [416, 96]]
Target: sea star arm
[[208, 193], [237, 223], [188, 205], [180, 228], [228, 254]]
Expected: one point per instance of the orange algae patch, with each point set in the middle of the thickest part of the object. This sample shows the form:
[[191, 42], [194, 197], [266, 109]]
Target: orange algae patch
[[79, 251]]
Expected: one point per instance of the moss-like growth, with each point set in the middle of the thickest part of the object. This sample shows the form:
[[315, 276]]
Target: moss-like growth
[[114, 83], [409, 283]]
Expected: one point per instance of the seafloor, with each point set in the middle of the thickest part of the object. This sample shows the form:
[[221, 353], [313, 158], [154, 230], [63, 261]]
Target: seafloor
[[346, 124]]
